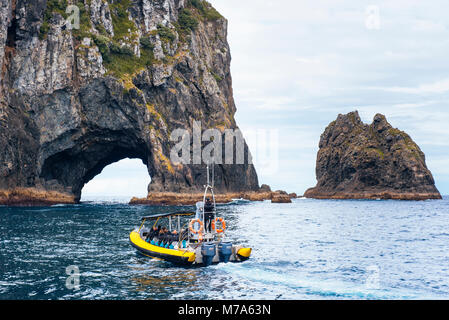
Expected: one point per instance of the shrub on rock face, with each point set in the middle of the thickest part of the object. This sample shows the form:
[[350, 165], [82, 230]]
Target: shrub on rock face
[[205, 9], [145, 43], [102, 43], [165, 33], [117, 49], [187, 20]]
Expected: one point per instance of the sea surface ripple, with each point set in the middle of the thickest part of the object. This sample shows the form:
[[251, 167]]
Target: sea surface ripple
[[310, 249]]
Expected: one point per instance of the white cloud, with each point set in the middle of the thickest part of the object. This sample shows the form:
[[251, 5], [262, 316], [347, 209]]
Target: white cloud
[[440, 86]]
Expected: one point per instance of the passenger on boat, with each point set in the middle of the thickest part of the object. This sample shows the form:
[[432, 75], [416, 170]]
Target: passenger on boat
[[208, 214], [164, 237], [170, 237], [153, 232]]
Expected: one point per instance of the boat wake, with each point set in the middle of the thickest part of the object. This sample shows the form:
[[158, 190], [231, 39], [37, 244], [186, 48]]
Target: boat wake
[[309, 287]]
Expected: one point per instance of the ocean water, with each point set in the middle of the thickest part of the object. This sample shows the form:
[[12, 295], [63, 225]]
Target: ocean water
[[310, 249]]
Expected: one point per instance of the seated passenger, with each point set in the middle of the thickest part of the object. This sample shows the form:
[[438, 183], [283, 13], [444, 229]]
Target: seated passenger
[[153, 232], [174, 236], [162, 236]]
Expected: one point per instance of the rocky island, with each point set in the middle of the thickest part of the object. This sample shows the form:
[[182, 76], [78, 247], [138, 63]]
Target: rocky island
[[376, 161], [78, 95]]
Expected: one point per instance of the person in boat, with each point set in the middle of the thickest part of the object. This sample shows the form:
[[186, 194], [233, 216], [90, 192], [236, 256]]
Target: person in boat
[[154, 232], [162, 236], [208, 214], [170, 237], [150, 235]]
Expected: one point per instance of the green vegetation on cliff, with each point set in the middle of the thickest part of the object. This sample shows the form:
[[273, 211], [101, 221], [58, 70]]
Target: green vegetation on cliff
[[124, 28], [118, 51], [121, 63], [165, 33], [60, 7], [53, 6], [205, 9]]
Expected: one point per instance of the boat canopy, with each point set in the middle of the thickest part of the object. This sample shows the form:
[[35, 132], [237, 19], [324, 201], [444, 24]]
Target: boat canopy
[[171, 214]]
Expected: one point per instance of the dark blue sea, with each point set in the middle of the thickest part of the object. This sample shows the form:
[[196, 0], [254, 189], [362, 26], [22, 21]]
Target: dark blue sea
[[311, 249]]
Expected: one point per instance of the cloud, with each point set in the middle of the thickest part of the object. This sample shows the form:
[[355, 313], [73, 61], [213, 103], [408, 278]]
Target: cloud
[[437, 87]]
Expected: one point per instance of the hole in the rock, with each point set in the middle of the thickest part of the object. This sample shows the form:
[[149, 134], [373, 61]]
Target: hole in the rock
[[121, 180]]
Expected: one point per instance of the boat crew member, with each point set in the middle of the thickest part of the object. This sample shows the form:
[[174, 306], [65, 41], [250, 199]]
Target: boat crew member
[[208, 214]]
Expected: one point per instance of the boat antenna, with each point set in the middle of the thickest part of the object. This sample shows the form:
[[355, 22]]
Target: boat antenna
[[213, 172]]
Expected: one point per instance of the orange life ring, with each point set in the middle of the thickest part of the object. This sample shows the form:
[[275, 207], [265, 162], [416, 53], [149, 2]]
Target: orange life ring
[[223, 224], [200, 230]]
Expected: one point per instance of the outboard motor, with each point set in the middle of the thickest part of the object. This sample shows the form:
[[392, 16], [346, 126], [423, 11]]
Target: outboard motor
[[224, 251], [208, 253]]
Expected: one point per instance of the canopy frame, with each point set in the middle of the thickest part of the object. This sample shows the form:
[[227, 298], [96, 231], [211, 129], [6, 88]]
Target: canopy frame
[[170, 214]]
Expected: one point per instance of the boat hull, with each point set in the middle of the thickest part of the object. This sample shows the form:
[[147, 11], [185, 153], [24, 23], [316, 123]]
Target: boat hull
[[176, 256]]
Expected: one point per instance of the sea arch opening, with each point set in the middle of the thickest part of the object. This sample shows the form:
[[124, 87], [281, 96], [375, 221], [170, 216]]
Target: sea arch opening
[[118, 181], [73, 168]]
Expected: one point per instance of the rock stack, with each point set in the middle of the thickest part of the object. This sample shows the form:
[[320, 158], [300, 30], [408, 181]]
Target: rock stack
[[376, 161]]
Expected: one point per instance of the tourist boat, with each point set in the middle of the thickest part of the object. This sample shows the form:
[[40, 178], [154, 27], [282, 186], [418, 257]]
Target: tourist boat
[[188, 237]]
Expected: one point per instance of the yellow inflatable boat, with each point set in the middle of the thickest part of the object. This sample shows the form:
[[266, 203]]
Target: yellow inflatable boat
[[188, 238]]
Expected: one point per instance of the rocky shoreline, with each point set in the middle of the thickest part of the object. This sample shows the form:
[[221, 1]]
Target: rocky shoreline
[[374, 196], [34, 197], [28, 197], [172, 198]]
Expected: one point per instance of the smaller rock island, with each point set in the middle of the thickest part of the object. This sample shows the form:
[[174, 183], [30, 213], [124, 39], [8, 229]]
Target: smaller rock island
[[377, 161]]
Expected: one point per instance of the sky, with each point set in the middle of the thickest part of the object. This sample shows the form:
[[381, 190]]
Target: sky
[[296, 65]]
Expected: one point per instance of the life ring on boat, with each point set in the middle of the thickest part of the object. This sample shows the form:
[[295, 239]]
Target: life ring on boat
[[223, 224], [200, 230]]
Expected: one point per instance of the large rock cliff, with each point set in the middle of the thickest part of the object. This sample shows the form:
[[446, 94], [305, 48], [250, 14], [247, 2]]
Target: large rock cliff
[[75, 99], [360, 161]]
